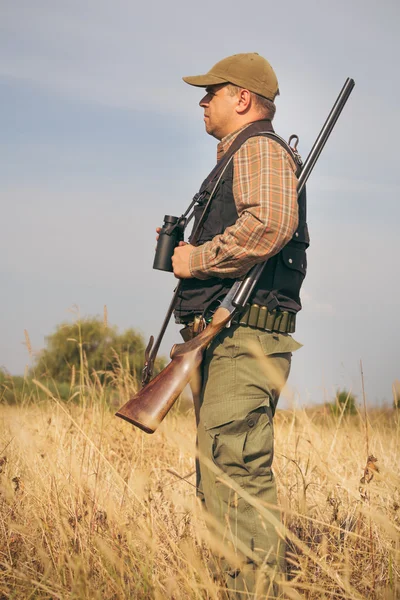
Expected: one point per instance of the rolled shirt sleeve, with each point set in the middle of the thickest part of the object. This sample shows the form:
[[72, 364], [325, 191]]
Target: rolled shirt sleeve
[[265, 193]]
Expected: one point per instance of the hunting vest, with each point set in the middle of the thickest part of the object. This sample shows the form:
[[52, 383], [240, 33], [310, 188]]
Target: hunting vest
[[279, 285]]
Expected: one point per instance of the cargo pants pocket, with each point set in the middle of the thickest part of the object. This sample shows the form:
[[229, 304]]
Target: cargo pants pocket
[[244, 448]]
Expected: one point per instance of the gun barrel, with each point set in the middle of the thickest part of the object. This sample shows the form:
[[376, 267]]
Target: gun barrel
[[325, 133]]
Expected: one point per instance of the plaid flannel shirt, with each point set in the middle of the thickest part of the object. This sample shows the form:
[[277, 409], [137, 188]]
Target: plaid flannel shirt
[[264, 190]]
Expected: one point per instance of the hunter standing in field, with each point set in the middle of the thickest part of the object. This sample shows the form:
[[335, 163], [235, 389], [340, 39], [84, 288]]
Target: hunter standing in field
[[255, 216]]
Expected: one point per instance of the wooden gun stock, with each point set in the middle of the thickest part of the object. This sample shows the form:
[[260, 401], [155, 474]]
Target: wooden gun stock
[[147, 408]]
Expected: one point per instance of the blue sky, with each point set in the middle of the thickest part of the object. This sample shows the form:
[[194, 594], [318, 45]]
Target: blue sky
[[100, 138]]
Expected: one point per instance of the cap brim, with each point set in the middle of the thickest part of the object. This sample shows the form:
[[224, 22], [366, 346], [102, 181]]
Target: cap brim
[[204, 80]]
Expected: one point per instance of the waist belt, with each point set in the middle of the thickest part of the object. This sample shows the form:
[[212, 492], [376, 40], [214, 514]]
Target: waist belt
[[262, 318], [253, 315]]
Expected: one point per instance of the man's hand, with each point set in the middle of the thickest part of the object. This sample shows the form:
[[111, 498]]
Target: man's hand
[[180, 260]]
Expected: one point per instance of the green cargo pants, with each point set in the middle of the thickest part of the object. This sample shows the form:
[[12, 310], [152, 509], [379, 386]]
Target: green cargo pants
[[244, 370]]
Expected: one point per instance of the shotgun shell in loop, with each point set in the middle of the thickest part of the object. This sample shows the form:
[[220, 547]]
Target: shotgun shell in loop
[[262, 317], [284, 322], [270, 321], [244, 319], [278, 321], [253, 316]]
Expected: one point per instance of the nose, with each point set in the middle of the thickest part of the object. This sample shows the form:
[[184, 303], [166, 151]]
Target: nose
[[205, 100]]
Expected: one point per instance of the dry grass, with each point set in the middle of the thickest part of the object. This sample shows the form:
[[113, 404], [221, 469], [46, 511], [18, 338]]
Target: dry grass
[[91, 508]]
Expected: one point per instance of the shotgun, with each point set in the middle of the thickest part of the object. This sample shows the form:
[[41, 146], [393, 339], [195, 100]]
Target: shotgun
[[148, 407]]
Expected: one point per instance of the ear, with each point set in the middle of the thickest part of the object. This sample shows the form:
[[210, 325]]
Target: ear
[[244, 101]]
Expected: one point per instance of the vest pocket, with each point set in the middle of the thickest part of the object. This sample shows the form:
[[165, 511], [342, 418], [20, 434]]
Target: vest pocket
[[295, 259], [290, 271]]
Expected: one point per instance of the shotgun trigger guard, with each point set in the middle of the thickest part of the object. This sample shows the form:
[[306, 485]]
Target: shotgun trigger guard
[[148, 362]]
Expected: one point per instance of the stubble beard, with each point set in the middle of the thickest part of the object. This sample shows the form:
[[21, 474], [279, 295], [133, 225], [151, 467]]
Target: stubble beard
[[211, 131]]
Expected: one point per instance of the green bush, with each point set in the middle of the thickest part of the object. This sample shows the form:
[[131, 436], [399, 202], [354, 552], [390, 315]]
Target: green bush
[[16, 389], [88, 345], [343, 403]]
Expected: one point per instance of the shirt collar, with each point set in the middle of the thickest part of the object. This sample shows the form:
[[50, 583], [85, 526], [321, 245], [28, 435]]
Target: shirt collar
[[227, 141]]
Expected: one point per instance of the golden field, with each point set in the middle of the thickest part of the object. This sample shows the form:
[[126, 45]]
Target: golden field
[[92, 508]]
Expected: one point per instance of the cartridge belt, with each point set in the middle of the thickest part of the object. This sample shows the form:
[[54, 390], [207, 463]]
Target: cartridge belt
[[253, 315], [260, 317]]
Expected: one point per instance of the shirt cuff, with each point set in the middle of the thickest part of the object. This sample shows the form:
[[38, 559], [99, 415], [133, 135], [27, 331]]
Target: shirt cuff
[[197, 260]]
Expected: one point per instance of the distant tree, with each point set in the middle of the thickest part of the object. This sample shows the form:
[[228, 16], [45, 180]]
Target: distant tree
[[344, 402], [89, 344]]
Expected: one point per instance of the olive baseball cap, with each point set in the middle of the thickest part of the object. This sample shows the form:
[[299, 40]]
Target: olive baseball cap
[[250, 71]]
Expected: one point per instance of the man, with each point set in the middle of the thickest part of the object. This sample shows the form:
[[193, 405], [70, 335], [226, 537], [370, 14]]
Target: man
[[254, 216]]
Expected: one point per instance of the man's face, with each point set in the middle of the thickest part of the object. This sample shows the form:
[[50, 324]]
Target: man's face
[[219, 110]]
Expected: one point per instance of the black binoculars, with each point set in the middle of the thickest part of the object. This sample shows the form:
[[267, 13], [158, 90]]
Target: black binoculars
[[169, 237]]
